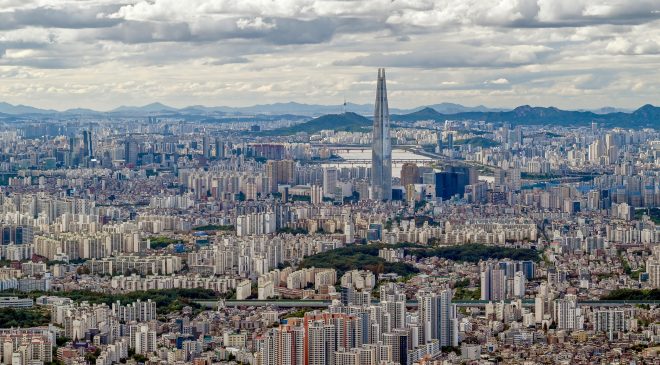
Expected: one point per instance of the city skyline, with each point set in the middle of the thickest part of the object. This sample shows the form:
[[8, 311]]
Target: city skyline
[[99, 55], [184, 240], [223, 182]]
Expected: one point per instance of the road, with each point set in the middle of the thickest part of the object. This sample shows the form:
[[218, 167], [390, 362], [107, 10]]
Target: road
[[285, 303]]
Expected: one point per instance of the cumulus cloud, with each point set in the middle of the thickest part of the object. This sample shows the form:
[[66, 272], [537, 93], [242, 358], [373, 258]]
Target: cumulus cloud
[[459, 56], [521, 48], [623, 46], [500, 81], [256, 23], [74, 17]]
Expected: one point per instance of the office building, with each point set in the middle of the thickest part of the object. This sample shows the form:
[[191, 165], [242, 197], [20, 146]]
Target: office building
[[410, 174], [329, 181]]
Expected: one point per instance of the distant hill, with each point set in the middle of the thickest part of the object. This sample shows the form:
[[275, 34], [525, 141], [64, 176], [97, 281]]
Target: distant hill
[[149, 108], [452, 108], [350, 122], [607, 110], [22, 109], [647, 116], [81, 111], [647, 112], [363, 109], [291, 108], [423, 114], [478, 142], [286, 108]]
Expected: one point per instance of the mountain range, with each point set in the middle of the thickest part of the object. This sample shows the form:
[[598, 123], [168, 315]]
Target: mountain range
[[311, 110], [646, 116], [345, 117]]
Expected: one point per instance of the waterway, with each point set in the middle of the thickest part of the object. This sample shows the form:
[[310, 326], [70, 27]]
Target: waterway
[[397, 154], [365, 154]]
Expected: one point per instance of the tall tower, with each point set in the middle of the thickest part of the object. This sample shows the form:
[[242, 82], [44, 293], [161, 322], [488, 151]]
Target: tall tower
[[381, 155], [87, 144]]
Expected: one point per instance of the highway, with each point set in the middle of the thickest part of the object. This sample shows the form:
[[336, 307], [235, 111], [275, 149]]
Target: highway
[[286, 303]]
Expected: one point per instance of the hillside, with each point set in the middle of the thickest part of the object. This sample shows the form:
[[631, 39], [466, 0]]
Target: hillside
[[478, 142], [363, 257], [475, 252], [366, 256], [349, 122], [423, 114], [647, 116]]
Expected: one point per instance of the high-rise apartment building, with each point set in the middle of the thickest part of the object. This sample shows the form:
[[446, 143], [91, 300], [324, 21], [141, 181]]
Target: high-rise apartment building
[[280, 172], [398, 341], [437, 318], [568, 314], [283, 345], [493, 283]]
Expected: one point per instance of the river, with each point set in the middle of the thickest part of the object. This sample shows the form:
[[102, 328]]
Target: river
[[397, 154]]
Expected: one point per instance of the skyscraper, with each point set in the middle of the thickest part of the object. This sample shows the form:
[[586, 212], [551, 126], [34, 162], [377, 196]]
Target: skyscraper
[[206, 147], [219, 149], [131, 151], [381, 156], [453, 181], [87, 144], [410, 174], [329, 181]]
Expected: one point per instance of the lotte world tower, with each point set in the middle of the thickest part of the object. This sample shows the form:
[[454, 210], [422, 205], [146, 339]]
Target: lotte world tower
[[381, 156]]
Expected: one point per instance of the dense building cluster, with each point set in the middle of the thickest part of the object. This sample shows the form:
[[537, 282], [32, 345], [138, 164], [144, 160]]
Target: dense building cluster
[[162, 240]]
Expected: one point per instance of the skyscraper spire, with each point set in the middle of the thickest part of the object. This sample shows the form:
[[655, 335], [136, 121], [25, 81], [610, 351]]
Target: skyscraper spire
[[381, 156]]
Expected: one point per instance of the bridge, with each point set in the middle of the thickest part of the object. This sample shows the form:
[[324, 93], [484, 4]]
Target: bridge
[[293, 303], [368, 162], [413, 148]]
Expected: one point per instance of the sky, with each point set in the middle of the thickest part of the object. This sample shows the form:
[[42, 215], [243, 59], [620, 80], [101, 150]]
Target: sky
[[101, 54]]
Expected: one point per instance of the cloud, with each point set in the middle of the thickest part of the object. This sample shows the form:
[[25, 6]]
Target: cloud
[[52, 17], [593, 82], [459, 56], [257, 23], [292, 31], [227, 61], [145, 32], [280, 31], [622, 46], [500, 81], [487, 51]]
